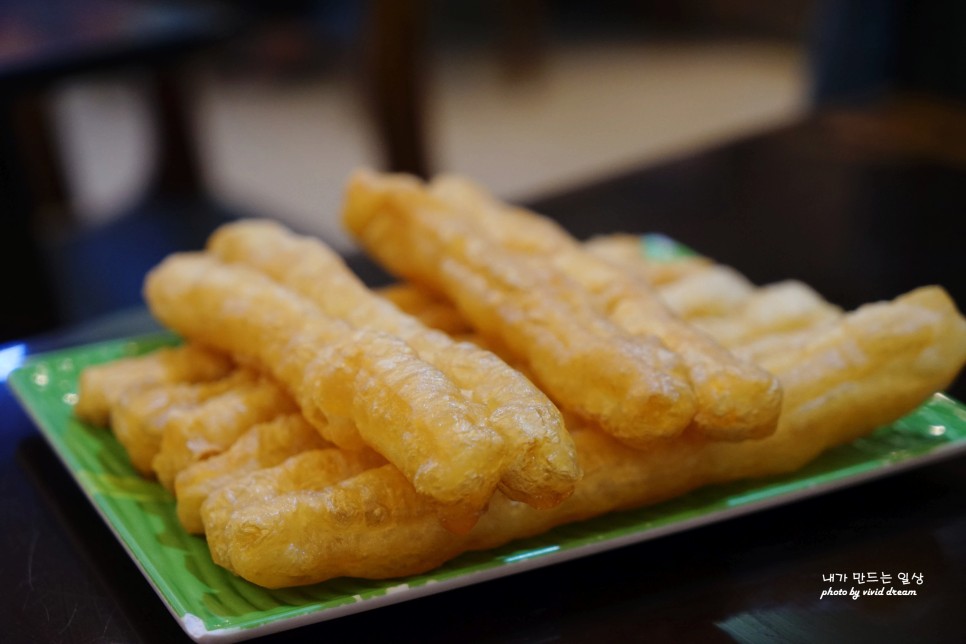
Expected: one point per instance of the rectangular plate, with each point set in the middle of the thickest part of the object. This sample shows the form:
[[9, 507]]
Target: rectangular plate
[[212, 604]]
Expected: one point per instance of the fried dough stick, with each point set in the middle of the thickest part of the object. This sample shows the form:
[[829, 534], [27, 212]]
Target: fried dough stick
[[776, 317], [865, 370], [779, 308], [194, 434], [432, 310], [634, 387], [343, 378], [735, 399], [542, 468], [264, 445], [768, 317], [139, 418], [102, 386], [628, 251], [716, 290], [310, 471], [689, 286], [373, 525]]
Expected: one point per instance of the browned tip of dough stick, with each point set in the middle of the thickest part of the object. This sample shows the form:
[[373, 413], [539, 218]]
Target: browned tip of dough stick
[[632, 386], [102, 386], [542, 466], [399, 405]]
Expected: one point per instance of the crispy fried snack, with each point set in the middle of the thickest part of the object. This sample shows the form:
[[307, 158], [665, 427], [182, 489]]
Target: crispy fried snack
[[542, 466], [774, 317], [855, 374], [372, 524], [308, 472], [864, 370], [264, 445], [101, 386], [750, 323], [629, 252], [194, 434], [781, 308], [139, 417], [634, 387], [432, 310], [350, 383], [717, 290], [368, 522], [735, 399]]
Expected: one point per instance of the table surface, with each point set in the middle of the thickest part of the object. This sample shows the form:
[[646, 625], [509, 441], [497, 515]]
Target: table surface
[[862, 204]]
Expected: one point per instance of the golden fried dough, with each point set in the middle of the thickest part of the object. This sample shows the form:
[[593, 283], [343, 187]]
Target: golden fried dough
[[139, 417], [866, 369], [717, 290], [192, 435], [264, 445], [660, 369], [735, 399], [432, 310], [778, 308], [305, 473], [351, 383], [632, 386], [542, 466], [101, 386], [629, 252]]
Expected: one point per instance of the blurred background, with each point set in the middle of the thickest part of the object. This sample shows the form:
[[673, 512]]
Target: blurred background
[[130, 128], [526, 97]]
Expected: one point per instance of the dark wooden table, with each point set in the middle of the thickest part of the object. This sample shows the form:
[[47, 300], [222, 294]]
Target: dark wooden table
[[862, 204]]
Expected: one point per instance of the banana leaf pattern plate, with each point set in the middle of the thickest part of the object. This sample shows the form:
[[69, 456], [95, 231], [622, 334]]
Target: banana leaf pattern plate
[[214, 605]]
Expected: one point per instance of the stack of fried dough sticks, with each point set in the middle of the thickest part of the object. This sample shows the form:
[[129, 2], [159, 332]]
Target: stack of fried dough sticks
[[516, 380]]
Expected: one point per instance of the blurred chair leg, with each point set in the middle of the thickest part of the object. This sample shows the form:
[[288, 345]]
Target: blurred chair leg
[[100, 268], [178, 173], [393, 41]]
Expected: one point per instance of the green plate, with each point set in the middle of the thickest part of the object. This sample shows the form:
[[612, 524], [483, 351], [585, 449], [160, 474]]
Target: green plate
[[212, 604]]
